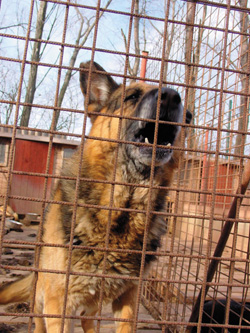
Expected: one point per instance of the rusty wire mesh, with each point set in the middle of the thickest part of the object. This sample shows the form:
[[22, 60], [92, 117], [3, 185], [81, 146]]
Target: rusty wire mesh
[[202, 50]]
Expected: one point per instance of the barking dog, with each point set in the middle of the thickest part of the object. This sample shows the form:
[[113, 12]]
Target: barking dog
[[104, 205]]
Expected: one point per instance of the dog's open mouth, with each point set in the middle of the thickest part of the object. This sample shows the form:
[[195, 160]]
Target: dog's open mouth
[[165, 139], [165, 136]]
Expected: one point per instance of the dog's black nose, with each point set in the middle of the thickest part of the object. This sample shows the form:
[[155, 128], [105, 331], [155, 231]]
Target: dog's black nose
[[171, 108], [169, 95]]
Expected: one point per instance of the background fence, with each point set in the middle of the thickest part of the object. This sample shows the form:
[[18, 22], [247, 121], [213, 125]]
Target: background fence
[[200, 48]]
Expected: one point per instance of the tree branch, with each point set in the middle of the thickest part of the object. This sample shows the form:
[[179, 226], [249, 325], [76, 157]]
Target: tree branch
[[35, 57]]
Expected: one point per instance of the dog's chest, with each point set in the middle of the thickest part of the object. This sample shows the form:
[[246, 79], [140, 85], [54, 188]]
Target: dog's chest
[[113, 240]]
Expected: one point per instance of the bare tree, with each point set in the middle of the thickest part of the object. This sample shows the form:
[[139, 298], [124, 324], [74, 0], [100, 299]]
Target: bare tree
[[86, 26], [195, 60], [133, 70], [189, 42], [35, 57], [192, 57], [242, 120], [169, 38]]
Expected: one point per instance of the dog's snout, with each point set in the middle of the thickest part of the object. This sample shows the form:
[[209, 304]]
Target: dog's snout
[[169, 97], [171, 107]]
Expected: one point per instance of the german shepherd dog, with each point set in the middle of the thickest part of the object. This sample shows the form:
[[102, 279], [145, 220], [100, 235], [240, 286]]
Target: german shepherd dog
[[96, 214]]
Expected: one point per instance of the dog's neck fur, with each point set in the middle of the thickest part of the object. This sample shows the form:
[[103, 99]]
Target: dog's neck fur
[[131, 196]]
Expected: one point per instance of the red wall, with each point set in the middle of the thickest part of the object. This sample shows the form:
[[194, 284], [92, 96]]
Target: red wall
[[30, 156], [224, 183]]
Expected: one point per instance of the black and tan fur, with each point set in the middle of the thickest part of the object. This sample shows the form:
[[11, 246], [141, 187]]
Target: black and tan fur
[[133, 166]]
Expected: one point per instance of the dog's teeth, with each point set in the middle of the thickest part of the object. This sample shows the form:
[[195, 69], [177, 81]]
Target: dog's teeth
[[146, 140], [168, 145]]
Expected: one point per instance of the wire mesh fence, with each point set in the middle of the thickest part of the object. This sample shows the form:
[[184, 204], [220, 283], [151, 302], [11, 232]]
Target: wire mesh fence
[[200, 49]]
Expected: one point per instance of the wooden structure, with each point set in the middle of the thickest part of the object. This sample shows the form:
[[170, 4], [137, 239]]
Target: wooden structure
[[30, 163]]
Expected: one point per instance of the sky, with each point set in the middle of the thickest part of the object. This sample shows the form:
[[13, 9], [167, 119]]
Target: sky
[[109, 37]]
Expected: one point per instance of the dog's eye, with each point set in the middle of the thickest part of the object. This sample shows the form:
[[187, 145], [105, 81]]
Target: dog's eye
[[133, 97]]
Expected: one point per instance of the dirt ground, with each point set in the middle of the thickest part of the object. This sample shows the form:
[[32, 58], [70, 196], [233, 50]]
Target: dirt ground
[[14, 256]]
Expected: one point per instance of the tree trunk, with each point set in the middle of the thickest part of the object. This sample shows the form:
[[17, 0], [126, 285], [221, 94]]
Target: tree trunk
[[169, 43], [134, 70], [31, 88], [192, 58], [189, 69], [136, 39], [242, 124], [194, 69]]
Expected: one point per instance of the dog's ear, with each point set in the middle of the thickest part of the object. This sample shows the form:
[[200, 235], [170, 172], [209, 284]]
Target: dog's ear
[[101, 86]]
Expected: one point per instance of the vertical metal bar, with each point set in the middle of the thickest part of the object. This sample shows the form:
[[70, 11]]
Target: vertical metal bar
[[229, 125], [205, 170], [111, 202], [191, 5]]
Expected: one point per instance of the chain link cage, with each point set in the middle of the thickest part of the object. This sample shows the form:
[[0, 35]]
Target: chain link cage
[[199, 48]]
